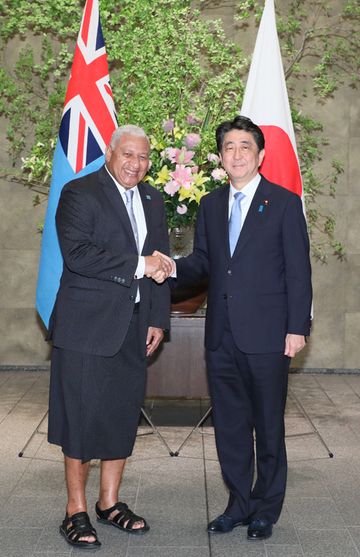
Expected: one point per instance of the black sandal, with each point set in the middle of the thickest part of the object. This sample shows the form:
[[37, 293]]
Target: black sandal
[[76, 527], [124, 519]]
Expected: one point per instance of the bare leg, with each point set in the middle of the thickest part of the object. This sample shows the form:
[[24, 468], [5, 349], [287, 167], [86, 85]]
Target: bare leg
[[76, 473], [110, 480], [111, 473]]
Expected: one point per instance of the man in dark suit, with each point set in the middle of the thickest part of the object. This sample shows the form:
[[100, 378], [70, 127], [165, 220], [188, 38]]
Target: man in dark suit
[[108, 317], [252, 243]]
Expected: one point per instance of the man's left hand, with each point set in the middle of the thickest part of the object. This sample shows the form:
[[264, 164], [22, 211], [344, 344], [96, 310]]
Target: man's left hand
[[293, 344], [153, 339]]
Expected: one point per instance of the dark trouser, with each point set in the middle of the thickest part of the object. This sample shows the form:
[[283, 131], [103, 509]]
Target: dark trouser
[[248, 393]]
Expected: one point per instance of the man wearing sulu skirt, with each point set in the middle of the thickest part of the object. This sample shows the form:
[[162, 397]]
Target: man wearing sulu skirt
[[110, 313]]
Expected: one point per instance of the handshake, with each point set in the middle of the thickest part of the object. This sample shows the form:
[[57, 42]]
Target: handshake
[[159, 266]]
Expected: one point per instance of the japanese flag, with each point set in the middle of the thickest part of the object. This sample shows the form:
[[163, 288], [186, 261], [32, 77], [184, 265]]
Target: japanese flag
[[266, 102]]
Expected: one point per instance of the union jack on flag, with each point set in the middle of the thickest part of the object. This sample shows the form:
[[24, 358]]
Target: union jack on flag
[[86, 127], [89, 113]]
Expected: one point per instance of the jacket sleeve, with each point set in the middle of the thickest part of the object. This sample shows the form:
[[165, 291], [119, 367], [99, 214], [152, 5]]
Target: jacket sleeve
[[297, 268], [195, 267], [160, 293]]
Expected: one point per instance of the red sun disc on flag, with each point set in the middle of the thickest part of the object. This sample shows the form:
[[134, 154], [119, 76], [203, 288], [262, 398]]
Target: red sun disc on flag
[[279, 149]]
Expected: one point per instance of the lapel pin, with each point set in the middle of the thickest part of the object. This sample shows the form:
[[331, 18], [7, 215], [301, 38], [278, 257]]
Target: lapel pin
[[262, 206], [148, 197]]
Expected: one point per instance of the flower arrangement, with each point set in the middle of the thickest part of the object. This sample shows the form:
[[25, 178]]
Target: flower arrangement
[[183, 170]]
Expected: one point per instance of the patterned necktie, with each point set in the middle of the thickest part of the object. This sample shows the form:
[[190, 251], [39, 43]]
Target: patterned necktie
[[129, 207], [235, 221]]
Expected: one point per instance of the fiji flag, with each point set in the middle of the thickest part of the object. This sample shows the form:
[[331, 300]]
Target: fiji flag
[[87, 123]]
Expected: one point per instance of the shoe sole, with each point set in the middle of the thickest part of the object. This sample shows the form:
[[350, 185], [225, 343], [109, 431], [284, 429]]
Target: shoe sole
[[80, 545], [239, 524], [259, 539], [135, 531]]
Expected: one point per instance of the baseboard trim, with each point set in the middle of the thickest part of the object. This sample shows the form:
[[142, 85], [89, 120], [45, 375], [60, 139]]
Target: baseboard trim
[[313, 370], [326, 370], [9, 367]]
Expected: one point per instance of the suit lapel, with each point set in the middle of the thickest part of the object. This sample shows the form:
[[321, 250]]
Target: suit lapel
[[147, 206], [223, 217], [257, 215]]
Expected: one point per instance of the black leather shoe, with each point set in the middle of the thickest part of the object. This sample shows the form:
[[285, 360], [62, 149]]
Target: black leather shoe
[[224, 524], [259, 529]]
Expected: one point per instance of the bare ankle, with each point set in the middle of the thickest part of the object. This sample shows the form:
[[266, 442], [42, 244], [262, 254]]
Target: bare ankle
[[74, 509], [104, 504]]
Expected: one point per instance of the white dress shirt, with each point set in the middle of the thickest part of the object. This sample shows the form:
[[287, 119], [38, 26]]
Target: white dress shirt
[[140, 223], [249, 192]]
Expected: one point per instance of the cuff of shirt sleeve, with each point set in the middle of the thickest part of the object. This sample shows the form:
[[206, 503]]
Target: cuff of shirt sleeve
[[140, 269]]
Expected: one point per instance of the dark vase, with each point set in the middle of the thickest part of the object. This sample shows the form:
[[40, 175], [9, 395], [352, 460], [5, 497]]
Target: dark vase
[[190, 299]]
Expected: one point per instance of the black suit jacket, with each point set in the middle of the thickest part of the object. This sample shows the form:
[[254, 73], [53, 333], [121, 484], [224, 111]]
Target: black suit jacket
[[266, 286], [97, 291]]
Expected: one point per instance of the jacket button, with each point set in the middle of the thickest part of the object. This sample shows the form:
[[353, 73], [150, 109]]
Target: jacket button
[[132, 298], [229, 272], [225, 296]]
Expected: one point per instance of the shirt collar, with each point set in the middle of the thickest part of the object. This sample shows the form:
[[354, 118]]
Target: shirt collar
[[121, 188], [250, 188]]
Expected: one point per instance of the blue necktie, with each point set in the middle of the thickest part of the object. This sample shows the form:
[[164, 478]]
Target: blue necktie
[[129, 207], [235, 221]]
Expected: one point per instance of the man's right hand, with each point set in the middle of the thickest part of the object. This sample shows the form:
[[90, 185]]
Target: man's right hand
[[158, 266], [168, 261]]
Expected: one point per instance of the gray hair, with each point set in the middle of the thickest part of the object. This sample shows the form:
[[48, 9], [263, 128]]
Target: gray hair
[[129, 129]]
